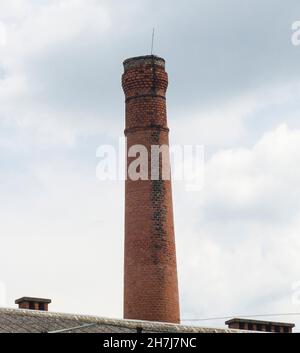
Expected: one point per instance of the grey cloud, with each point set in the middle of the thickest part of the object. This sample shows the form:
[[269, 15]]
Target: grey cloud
[[215, 51]]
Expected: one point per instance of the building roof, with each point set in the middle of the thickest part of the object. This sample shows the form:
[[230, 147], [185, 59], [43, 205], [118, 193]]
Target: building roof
[[34, 321]]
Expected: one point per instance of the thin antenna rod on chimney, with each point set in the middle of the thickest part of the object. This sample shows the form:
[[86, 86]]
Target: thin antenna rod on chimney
[[152, 42]]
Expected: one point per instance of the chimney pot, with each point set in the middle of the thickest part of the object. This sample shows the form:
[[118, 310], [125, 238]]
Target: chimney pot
[[33, 303], [258, 325]]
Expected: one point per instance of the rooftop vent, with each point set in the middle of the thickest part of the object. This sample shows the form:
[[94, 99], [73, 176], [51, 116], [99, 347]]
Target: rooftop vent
[[33, 303]]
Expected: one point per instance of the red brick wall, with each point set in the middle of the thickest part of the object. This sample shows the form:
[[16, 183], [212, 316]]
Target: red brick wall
[[150, 278]]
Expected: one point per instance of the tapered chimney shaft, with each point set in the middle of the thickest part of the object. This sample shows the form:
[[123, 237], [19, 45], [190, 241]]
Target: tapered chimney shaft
[[150, 277]]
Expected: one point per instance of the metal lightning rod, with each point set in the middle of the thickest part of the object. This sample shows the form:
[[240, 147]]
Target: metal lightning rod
[[152, 42]]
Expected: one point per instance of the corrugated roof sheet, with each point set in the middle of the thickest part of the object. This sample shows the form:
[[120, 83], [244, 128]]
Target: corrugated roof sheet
[[32, 321]]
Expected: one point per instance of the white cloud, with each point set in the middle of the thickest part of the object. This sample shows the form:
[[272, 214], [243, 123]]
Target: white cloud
[[240, 253], [254, 179], [53, 23], [25, 96], [228, 124], [14, 9], [59, 238]]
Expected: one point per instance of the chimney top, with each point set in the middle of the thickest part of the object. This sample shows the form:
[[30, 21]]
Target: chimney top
[[33, 303], [143, 60]]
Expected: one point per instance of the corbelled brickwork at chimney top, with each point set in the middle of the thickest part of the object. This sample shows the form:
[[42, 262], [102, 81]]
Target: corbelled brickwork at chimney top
[[150, 278]]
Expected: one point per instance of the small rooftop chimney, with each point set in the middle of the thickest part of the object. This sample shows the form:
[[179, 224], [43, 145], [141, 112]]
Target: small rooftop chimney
[[33, 303], [257, 325]]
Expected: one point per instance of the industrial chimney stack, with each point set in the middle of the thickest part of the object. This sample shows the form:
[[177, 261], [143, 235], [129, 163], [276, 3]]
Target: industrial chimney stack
[[150, 278]]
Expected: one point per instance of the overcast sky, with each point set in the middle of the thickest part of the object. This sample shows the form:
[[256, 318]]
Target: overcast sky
[[234, 88]]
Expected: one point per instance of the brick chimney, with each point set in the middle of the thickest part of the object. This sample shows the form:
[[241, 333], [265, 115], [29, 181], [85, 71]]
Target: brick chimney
[[150, 276], [258, 325], [33, 303]]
